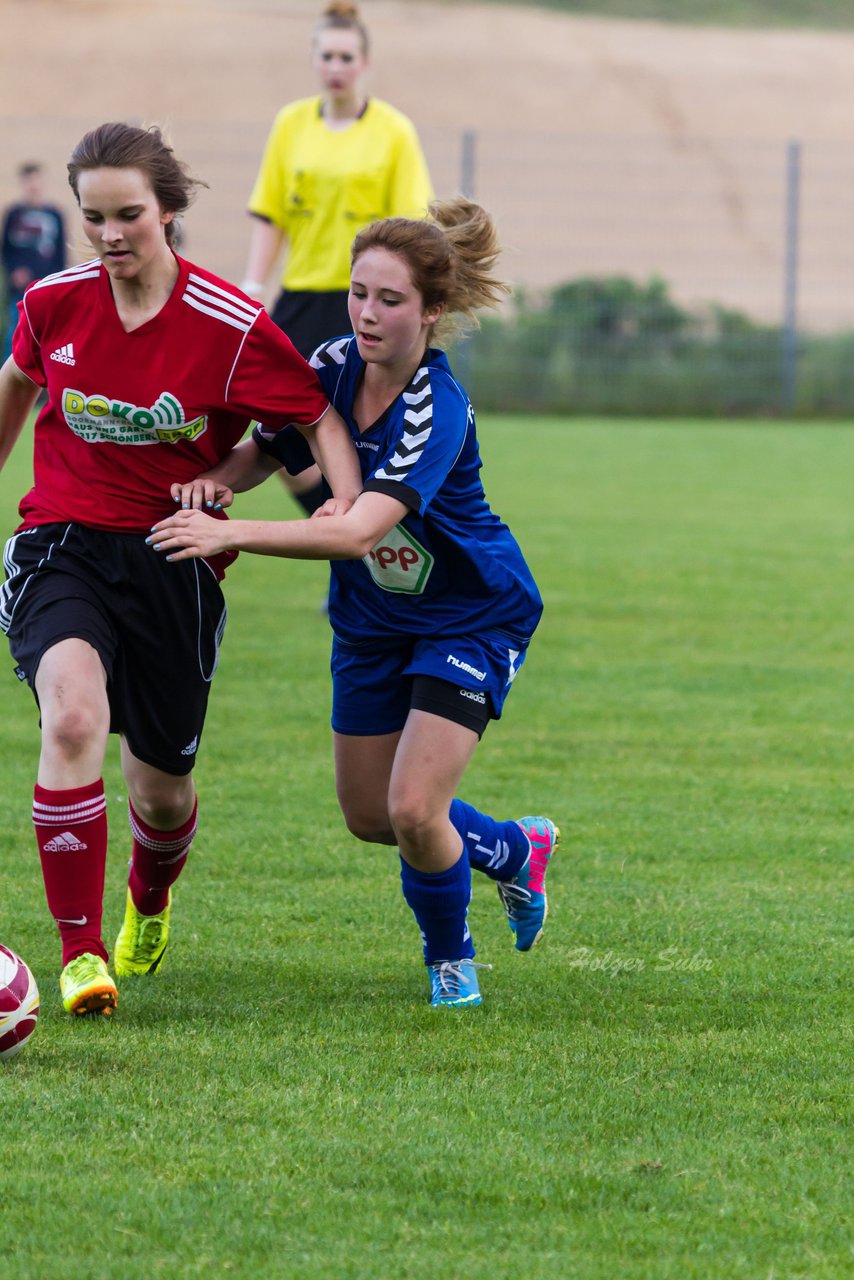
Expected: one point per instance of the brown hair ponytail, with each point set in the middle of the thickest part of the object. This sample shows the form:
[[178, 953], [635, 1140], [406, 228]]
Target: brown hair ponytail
[[451, 256]]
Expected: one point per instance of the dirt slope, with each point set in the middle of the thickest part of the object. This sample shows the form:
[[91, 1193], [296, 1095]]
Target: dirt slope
[[215, 71]]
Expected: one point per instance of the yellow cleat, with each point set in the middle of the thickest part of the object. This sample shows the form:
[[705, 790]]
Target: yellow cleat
[[86, 986], [142, 940]]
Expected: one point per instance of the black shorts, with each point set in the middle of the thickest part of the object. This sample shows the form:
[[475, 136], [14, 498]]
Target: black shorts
[[156, 626], [309, 317]]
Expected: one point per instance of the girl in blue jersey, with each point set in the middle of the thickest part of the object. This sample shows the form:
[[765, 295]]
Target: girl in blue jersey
[[431, 603]]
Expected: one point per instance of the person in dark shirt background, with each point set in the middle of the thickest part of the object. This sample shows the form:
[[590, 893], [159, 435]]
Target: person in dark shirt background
[[33, 243]]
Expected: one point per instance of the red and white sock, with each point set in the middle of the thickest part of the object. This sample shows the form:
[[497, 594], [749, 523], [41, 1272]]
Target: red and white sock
[[71, 829], [157, 860]]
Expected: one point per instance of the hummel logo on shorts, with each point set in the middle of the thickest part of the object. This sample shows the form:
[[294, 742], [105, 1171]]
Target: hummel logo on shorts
[[66, 843], [65, 355]]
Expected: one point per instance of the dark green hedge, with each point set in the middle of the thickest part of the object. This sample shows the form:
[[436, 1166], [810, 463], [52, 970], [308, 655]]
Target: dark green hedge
[[613, 345]]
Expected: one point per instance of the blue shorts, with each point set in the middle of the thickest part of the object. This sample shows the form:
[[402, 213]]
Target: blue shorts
[[372, 679]]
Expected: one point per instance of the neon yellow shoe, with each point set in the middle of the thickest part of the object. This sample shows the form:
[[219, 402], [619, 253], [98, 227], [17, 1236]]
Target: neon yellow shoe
[[142, 940], [86, 986]]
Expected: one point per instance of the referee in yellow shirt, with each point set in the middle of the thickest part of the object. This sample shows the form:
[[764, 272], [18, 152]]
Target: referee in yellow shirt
[[332, 164]]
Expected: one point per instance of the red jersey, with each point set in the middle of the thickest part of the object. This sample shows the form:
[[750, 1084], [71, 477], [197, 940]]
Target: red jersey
[[129, 414]]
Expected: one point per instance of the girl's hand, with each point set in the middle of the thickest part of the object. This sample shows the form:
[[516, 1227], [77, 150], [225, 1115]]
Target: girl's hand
[[202, 493], [188, 534], [333, 507]]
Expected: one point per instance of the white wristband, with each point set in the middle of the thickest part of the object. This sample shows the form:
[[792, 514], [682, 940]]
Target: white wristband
[[255, 288]]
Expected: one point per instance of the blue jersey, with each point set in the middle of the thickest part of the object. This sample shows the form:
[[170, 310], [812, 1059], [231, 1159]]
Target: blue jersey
[[451, 566]]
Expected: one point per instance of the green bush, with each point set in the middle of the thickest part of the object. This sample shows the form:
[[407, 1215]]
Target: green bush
[[613, 345]]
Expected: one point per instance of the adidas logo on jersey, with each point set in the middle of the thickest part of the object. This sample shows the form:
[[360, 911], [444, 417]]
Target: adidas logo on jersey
[[64, 355], [66, 843]]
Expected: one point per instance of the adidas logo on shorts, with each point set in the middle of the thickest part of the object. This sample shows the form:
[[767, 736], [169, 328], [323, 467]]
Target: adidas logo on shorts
[[64, 355], [66, 843]]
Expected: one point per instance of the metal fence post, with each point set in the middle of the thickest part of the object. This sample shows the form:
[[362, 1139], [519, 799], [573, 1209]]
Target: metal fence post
[[789, 351], [468, 157]]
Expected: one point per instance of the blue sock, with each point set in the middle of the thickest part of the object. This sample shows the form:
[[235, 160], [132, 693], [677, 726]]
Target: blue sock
[[498, 849], [440, 905]]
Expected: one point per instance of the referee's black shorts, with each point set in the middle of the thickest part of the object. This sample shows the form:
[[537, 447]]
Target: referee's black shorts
[[156, 626], [310, 317]]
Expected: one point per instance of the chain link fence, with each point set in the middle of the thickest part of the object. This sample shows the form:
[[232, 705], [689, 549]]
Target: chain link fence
[[656, 275], [651, 274]]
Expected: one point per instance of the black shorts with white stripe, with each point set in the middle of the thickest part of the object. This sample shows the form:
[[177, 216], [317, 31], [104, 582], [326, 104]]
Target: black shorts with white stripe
[[156, 626]]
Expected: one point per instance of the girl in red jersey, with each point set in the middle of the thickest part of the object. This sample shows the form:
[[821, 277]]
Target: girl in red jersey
[[151, 366]]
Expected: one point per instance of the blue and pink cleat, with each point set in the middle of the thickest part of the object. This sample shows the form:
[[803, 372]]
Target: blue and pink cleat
[[524, 897]]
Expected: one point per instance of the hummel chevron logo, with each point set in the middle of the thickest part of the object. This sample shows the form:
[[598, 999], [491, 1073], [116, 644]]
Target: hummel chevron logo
[[66, 843], [65, 355]]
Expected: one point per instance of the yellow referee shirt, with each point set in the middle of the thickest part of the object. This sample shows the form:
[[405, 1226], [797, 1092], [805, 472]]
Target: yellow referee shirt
[[322, 185]]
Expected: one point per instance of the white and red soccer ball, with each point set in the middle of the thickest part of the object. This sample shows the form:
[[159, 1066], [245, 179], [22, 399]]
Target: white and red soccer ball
[[19, 1003]]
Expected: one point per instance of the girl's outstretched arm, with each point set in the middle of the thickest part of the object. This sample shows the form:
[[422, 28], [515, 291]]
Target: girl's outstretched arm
[[246, 466], [241, 469], [335, 537]]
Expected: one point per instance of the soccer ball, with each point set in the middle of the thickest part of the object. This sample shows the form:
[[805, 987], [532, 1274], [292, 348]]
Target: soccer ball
[[19, 1003]]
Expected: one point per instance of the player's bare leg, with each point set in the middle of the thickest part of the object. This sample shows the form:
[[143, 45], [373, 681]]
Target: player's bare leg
[[163, 800], [363, 768], [71, 685], [412, 774], [430, 760]]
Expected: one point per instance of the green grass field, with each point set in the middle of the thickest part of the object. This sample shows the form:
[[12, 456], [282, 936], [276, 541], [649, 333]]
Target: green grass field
[[660, 1090]]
